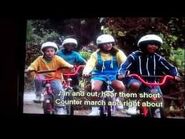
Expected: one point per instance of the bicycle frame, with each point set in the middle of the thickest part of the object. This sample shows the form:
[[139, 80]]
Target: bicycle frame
[[67, 84], [107, 107], [48, 103], [151, 85], [69, 88]]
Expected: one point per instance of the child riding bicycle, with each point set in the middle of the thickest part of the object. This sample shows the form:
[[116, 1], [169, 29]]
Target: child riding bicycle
[[146, 62], [68, 54], [48, 61], [104, 61]]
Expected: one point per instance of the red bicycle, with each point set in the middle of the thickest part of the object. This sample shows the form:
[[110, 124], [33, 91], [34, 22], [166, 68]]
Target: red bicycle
[[153, 88], [68, 87], [48, 93], [48, 103]]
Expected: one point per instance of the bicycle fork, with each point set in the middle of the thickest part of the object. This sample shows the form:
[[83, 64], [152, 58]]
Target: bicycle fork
[[48, 103], [106, 110], [154, 111]]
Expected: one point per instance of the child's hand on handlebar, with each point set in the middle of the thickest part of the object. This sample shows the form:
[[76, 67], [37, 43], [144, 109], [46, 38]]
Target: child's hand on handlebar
[[29, 74], [26, 70], [71, 67], [120, 77], [177, 78]]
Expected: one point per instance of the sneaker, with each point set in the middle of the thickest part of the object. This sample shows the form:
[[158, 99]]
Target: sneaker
[[157, 113], [132, 110], [61, 111], [95, 111], [42, 98], [120, 104], [37, 99]]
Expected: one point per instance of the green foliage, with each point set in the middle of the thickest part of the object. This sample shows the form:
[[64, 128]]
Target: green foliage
[[173, 53], [32, 37], [86, 55], [168, 43], [37, 34], [106, 30], [177, 56]]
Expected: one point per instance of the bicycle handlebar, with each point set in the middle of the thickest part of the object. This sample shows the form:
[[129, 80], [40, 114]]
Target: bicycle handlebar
[[44, 71], [54, 70], [77, 69], [152, 84]]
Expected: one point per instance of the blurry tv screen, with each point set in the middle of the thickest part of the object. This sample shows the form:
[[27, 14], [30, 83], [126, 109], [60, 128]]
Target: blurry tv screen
[[52, 87]]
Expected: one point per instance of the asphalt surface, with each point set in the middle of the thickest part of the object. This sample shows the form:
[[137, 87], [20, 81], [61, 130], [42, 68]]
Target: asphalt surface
[[30, 107]]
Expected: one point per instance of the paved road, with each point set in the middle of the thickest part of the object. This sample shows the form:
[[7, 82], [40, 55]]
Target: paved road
[[30, 106], [36, 108]]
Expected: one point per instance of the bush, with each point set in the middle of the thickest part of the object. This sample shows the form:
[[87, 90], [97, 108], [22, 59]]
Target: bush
[[177, 55], [85, 54]]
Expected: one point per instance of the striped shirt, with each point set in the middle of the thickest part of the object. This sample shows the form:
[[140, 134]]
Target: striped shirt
[[151, 64]]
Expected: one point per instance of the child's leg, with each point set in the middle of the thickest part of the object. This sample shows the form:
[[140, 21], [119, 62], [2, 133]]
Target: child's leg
[[133, 85], [96, 86], [157, 111], [58, 97], [57, 89], [118, 86], [38, 81]]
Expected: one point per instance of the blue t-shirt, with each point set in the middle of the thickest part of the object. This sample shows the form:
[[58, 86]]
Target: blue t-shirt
[[72, 57]]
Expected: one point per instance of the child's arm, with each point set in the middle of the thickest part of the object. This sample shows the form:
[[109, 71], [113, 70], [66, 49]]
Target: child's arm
[[33, 67], [90, 64], [80, 59], [64, 63], [169, 67], [121, 57], [125, 66]]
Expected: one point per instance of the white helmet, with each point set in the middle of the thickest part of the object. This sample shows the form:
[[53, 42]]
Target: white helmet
[[105, 38], [49, 44], [70, 40], [150, 37]]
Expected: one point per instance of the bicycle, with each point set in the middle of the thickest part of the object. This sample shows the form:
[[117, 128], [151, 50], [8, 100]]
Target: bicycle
[[48, 102], [107, 96], [48, 93], [151, 87], [69, 89]]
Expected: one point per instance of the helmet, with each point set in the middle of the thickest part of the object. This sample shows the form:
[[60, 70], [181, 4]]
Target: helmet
[[105, 38], [150, 38], [49, 44], [70, 40]]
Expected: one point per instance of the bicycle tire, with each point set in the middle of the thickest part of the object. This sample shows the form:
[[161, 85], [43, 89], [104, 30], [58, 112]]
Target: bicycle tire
[[102, 113], [69, 108], [105, 110], [48, 106], [109, 114]]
